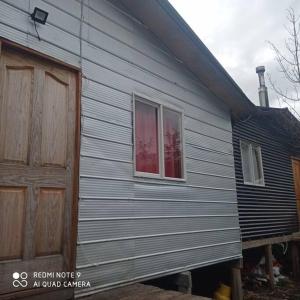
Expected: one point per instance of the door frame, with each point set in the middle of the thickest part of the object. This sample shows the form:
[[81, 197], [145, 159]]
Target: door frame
[[296, 158], [69, 292]]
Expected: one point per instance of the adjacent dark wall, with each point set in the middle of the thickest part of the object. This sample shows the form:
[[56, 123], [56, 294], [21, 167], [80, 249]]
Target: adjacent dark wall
[[270, 210]]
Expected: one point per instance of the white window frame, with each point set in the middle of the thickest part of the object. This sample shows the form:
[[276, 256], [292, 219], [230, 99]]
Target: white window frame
[[160, 104], [251, 162]]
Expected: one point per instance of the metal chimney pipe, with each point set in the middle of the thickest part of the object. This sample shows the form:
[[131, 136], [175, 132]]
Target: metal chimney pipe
[[262, 90]]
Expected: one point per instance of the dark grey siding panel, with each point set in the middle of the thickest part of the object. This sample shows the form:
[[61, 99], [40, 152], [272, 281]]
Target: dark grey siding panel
[[270, 210]]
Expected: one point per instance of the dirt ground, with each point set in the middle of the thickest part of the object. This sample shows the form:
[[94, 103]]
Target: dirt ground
[[287, 290]]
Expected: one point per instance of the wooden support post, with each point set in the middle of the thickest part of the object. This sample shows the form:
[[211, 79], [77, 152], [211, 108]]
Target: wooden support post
[[237, 288], [269, 265], [295, 259]]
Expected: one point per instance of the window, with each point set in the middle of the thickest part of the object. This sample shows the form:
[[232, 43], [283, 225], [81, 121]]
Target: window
[[252, 163], [158, 140]]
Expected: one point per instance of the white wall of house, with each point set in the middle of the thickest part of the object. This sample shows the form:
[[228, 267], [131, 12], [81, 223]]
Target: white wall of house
[[130, 228]]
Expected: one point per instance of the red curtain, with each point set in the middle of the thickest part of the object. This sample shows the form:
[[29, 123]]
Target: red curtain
[[146, 138], [172, 144]]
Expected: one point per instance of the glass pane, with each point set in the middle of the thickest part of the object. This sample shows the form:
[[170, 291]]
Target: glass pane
[[245, 152], [257, 165], [172, 143], [146, 138]]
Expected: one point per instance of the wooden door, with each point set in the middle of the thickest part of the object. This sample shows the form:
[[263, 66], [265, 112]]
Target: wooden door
[[296, 169], [37, 150]]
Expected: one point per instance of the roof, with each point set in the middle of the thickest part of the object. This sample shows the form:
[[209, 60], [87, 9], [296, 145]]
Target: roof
[[164, 21], [284, 123]]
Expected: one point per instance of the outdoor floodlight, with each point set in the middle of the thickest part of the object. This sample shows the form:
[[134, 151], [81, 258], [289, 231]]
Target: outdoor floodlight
[[39, 15]]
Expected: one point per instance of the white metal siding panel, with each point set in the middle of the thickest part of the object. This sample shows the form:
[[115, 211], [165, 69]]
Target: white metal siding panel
[[158, 264], [109, 77], [119, 229], [128, 67], [106, 208], [102, 251], [135, 228]]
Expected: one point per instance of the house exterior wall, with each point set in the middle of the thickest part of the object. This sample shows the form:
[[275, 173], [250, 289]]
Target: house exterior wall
[[131, 228], [270, 210]]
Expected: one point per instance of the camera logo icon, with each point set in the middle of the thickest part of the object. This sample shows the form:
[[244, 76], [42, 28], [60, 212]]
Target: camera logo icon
[[20, 279]]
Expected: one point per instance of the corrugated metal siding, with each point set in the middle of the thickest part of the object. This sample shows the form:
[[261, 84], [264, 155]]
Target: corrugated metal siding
[[132, 228], [270, 210]]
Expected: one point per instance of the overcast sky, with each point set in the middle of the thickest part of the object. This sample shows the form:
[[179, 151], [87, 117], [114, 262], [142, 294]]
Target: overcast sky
[[237, 31]]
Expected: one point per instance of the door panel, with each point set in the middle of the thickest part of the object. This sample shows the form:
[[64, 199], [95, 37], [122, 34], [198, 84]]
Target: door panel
[[54, 116], [37, 148], [49, 221], [12, 212], [15, 113]]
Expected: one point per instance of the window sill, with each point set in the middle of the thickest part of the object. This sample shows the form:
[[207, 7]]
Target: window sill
[[157, 176], [255, 184]]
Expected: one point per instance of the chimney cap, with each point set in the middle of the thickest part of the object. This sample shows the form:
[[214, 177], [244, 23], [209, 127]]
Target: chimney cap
[[260, 69]]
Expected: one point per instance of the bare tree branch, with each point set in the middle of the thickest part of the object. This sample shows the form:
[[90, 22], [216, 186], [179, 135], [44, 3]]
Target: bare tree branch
[[281, 93], [292, 108], [289, 63]]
